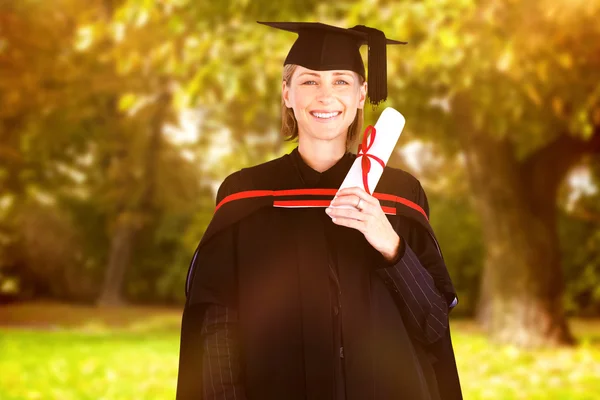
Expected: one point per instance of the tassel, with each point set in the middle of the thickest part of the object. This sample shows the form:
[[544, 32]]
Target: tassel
[[377, 56]]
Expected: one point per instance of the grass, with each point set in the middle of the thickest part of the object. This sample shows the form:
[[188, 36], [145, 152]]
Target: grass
[[50, 351], [491, 371]]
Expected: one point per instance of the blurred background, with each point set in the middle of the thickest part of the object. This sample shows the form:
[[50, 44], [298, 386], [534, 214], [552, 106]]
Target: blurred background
[[120, 118]]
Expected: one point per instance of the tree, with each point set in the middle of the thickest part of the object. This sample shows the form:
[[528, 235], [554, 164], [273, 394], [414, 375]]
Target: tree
[[88, 134], [515, 87]]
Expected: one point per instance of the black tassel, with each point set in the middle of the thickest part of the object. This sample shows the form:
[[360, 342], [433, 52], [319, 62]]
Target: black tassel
[[377, 56]]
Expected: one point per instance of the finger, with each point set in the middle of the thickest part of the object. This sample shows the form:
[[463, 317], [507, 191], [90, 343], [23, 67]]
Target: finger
[[350, 223], [352, 200], [347, 200], [345, 213], [359, 192], [354, 191], [351, 190]]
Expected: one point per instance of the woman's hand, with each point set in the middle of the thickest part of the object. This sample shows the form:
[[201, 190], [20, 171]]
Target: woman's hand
[[368, 218]]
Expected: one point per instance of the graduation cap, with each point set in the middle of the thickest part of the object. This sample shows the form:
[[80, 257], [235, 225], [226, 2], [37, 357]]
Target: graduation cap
[[322, 47]]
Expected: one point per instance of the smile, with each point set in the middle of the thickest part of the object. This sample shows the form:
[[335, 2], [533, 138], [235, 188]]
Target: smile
[[322, 115]]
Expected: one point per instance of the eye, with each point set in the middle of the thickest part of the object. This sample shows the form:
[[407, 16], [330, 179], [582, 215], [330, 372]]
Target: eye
[[309, 83], [341, 82]]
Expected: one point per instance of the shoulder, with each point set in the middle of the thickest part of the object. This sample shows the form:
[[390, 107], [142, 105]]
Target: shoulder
[[266, 172], [265, 176]]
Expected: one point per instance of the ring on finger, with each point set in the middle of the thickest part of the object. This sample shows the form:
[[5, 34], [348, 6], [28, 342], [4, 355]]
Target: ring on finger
[[358, 204]]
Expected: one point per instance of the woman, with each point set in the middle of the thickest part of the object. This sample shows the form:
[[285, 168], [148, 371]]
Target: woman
[[286, 301]]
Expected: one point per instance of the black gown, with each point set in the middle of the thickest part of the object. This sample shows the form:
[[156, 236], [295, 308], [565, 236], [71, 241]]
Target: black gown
[[273, 265]]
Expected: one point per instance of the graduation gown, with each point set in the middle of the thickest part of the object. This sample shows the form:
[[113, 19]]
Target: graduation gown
[[276, 274]]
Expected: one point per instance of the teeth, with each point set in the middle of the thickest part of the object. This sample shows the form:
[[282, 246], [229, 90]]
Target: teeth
[[325, 115]]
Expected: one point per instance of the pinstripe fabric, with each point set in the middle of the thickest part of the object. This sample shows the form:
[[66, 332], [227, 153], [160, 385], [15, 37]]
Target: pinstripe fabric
[[221, 365], [425, 309]]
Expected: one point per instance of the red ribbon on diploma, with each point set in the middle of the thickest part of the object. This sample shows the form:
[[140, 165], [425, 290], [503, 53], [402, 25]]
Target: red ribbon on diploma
[[363, 151]]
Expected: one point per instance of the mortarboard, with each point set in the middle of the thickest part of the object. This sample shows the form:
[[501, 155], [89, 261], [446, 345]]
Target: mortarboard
[[322, 47]]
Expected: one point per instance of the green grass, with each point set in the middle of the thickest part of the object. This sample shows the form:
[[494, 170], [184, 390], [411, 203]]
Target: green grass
[[491, 371], [72, 365], [65, 352]]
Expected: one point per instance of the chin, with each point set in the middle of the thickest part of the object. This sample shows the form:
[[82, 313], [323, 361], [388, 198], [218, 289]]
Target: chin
[[329, 136], [323, 132]]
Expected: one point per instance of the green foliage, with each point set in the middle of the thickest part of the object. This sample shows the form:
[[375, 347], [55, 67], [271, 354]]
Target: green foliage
[[580, 245], [459, 234], [527, 71], [458, 230], [81, 140], [581, 261], [83, 84]]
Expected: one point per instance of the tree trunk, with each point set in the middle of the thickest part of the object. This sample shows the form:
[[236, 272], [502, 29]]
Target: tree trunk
[[483, 308], [119, 259], [12, 161], [522, 282], [130, 222]]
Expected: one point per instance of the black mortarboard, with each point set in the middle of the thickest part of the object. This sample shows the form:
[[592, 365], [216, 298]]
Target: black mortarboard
[[322, 47]]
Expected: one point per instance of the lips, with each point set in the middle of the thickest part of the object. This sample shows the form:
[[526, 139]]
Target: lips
[[325, 115]]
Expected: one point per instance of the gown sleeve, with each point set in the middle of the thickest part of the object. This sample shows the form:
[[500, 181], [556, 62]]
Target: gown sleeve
[[221, 372], [419, 281], [424, 309], [442, 350], [210, 289], [430, 255]]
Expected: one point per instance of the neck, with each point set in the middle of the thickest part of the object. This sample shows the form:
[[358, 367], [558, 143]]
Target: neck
[[323, 155]]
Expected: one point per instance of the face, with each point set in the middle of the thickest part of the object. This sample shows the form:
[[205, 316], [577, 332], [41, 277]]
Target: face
[[324, 102]]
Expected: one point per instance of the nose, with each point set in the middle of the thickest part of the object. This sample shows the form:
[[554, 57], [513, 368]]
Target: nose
[[325, 94]]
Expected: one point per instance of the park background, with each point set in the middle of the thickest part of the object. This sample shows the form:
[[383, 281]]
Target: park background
[[120, 118]]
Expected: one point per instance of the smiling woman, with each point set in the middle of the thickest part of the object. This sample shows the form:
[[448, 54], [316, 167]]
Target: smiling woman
[[286, 300], [289, 125]]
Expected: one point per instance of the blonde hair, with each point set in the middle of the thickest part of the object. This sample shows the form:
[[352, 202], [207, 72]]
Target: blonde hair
[[289, 125]]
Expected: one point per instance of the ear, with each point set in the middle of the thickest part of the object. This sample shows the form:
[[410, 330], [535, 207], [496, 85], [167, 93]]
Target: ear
[[285, 94], [363, 95]]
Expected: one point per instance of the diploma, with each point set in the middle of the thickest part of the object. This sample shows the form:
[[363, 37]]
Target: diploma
[[375, 151]]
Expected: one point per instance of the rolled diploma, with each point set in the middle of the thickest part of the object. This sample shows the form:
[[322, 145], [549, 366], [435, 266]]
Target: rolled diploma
[[388, 129]]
